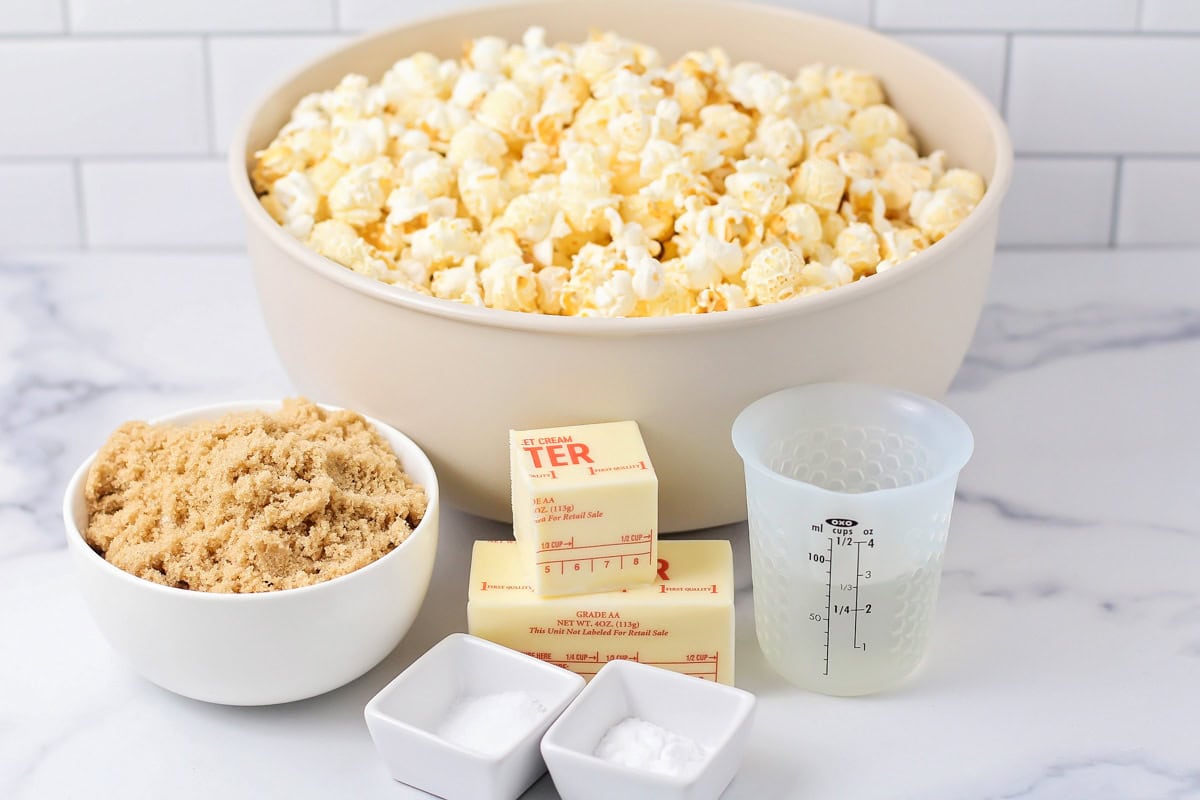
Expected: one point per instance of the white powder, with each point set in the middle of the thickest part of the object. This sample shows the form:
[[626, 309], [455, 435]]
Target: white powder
[[491, 723], [636, 743]]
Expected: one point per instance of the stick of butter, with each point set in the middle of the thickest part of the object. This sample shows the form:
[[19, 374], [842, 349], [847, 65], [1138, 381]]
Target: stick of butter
[[682, 622], [585, 507]]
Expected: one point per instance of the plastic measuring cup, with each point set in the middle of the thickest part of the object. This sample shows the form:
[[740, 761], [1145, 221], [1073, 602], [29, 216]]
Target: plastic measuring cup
[[849, 489]]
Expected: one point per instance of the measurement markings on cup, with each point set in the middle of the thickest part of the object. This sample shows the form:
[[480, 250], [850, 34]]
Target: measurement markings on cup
[[828, 601], [843, 538]]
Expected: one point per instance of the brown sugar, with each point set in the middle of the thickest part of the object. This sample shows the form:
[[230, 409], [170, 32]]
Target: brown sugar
[[250, 502]]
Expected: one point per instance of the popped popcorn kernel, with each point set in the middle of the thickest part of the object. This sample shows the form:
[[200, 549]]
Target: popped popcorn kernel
[[594, 179], [859, 89], [858, 246], [939, 212], [774, 274], [820, 183], [338, 241]]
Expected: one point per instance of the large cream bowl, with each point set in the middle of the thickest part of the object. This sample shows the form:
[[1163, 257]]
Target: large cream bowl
[[457, 378]]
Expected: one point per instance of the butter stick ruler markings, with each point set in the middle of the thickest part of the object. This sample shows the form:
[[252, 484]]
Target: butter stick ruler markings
[[682, 622], [584, 507]]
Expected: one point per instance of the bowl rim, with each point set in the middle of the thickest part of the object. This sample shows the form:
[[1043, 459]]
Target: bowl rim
[[374, 713], [77, 483], [955, 460], [745, 705], [258, 218]]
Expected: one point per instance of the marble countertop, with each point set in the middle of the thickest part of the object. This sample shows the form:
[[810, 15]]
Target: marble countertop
[[1065, 660]]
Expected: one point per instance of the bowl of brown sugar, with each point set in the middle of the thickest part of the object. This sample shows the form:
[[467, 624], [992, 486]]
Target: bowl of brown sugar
[[254, 553]]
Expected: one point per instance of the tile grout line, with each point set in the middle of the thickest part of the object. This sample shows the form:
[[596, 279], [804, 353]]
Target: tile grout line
[[1083, 155], [1006, 81], [336, 7], [210, 106], [80, 205], [65, 5], [117, 35], [872, 13], [1115, 217], [1139, 10], [109, 158]]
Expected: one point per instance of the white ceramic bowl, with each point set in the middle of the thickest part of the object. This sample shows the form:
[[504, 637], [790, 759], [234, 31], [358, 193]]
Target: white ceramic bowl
[[459, 377], [404, 719], [715, 716], [262, 648]]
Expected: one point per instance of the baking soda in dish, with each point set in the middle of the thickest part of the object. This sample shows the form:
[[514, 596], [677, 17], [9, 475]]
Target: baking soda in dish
[[491, 723], [640, 744]]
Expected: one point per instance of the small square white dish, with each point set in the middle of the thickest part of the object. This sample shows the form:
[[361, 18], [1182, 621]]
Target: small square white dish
[[406, 716], [714, 716]]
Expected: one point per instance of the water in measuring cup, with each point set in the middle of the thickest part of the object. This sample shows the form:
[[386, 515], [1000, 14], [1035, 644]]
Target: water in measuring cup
[[841, 624]]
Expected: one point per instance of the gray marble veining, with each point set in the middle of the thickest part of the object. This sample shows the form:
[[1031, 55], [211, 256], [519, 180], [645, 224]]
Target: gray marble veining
[[1065, 653]]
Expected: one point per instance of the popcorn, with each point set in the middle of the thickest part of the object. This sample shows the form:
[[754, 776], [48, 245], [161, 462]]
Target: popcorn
[[338, 241], [859, 89], [616, 296], [820, 183], [822, 276], [731, 128], [875, 125], [482, 192], [471, 86], [357, 197], [830, 141], [486, 54], [508, 110], [649, 277], [858, 246], [550, 284], [357, 141], [591, 179], [778, 139], [758, 186], [444, 242], [479, 142], [939, 212], [965, 182], [724, 297], [800, 225], [458, 283], [710, 261], [297, 201], [509, 283], [774, 274], [899, 244], [901, 180]]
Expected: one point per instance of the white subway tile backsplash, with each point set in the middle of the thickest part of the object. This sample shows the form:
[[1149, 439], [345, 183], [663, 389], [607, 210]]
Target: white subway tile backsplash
[[1059, 201], [1104, 94], [200, 15], [366, 15], [245, 67], [167, 203], [1159, 203], [1003, 15], [38, 206], [1171, 16], [977, 57], [89, 97], [31, 16]]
